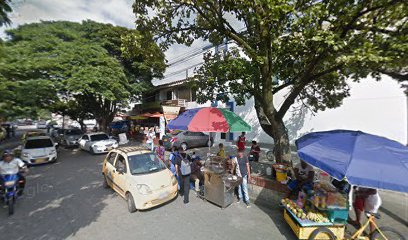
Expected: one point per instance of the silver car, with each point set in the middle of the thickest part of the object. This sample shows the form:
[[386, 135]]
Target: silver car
[[70, 137], [97, 143], [187, 139]]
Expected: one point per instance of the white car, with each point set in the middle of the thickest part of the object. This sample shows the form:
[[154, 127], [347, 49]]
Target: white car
[[38, 150], [97, 143], [140, 177], [41, 125]]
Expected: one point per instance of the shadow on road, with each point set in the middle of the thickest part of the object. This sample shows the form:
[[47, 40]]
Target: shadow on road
[[59, 200]]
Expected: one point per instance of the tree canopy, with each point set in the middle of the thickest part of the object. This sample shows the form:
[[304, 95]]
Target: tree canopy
[[85, 62], [5, 10], [308, 48]]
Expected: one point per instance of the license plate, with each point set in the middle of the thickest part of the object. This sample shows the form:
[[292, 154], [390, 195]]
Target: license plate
[[40, 160]]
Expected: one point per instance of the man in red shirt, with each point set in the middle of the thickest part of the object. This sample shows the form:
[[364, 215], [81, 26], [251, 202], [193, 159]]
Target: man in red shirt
[[241, 142]]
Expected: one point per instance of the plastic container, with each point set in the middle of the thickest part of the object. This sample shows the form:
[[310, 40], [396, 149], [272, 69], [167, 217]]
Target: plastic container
[[338, 215], [268, 171], [281, 172]]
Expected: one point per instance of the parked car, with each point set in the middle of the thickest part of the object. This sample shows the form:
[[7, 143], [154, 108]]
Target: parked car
[[97, 143], [70, 137], [38, 150], [187, 139], [41, 124], [140, 177]]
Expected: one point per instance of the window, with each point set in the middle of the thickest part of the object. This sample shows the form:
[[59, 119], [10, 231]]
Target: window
[[169, 95], [121, 163], [111, 157], [99, 137], [73, 132], [38, 143], [85, 137], [145, 164]]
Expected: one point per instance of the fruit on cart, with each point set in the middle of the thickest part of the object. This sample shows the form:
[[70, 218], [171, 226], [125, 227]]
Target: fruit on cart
[[317, 217]]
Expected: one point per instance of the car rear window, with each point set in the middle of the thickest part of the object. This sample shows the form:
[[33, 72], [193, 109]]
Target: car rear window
[[99, 137], [38, 143], [73, 132]]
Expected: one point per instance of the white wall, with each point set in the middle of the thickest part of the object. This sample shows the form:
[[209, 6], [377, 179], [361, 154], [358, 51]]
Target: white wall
[[373, 107]]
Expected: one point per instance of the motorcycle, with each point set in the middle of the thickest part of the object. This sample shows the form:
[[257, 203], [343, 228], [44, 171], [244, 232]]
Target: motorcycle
[[10, 190]]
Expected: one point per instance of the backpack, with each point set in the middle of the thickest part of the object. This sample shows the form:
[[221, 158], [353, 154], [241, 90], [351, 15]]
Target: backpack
[[185, 167]]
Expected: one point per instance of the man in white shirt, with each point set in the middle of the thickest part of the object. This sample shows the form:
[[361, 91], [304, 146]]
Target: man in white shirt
[[11, 165]]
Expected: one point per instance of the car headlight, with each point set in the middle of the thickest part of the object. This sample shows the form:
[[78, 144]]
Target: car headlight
[[174, 180], [143, 189], [96, 146], [53, 152]]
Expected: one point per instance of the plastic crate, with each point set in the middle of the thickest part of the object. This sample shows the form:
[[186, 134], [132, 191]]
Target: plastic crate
[[338, 215]]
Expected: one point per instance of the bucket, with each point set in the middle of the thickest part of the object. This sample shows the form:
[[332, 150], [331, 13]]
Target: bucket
[[281, 172]]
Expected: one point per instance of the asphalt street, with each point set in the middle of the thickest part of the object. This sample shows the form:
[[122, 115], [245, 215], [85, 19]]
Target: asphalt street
[[66, 200]]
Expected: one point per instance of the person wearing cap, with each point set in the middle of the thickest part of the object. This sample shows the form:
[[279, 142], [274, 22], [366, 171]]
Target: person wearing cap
[[11, 165]]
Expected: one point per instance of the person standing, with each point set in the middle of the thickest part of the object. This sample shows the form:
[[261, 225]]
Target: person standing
[[160, 151], [243, 170], [255, 151], [150, 139], [366, 200], [183, 168], [221, 151], [241, 142]]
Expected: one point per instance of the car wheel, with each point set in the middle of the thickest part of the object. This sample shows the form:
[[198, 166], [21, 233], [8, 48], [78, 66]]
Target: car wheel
[[105, 182], [92, 151], [130, 203], [184, 146]]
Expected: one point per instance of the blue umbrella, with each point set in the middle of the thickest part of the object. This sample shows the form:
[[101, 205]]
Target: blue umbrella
[[363, 159]]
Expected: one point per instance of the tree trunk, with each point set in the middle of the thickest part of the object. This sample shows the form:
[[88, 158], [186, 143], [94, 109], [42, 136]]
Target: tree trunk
[[275, 128]]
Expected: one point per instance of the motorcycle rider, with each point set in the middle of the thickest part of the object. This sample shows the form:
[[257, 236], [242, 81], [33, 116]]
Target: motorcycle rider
[[11, 165]]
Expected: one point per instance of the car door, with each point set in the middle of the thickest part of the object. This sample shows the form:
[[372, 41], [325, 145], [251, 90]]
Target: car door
[[119, 178], [82, 142], [109, 166]]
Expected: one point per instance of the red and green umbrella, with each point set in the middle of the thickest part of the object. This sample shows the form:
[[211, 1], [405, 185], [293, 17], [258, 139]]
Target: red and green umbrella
[[209, 119]]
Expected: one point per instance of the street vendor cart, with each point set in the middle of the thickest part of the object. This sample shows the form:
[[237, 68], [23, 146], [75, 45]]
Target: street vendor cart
[[219, 185], [360, 158]]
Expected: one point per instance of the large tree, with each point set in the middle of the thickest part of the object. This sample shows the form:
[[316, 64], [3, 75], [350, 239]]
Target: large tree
[[306, 48], [83, 62], [5, 10]]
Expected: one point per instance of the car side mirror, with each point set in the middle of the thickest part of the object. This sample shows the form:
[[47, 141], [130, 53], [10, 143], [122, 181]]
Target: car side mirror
[[121, 170]]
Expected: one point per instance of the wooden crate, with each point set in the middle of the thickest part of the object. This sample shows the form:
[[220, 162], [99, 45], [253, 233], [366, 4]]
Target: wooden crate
[[304, 232]]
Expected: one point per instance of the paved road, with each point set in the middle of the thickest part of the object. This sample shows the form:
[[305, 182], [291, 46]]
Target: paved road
[[66, 200]]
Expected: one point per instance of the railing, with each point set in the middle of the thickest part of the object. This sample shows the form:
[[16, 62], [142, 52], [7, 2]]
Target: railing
[[175, 103]]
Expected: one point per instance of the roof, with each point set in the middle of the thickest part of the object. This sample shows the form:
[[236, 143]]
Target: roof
[[133, 149], [171, 84], [38, 137]]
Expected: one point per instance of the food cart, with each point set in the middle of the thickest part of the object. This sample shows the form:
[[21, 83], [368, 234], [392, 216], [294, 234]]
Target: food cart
[[344, 154], [317, 210], [219, 184]]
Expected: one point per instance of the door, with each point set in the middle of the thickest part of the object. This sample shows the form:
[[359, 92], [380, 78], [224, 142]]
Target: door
[[119, 178], [82, 142], [109, 166]]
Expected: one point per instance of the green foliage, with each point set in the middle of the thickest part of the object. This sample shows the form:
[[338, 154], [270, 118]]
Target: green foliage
[[309, 48], [5, 9], [83, 62]]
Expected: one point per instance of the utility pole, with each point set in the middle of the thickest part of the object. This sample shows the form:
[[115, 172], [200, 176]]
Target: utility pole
[[406, 95]]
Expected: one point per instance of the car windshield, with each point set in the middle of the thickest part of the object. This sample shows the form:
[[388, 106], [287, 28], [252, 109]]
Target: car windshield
[[73, 132], [99, 137], [38, 143], [145, 164]]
